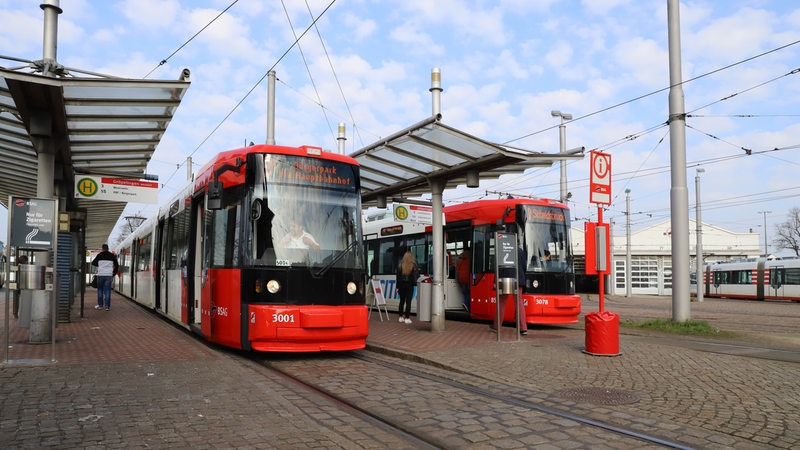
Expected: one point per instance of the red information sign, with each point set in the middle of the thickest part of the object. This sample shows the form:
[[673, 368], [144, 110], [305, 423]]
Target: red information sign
[[600, 180]]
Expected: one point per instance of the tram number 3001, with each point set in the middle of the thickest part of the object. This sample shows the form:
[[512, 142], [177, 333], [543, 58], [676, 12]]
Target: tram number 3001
[[282, 318]]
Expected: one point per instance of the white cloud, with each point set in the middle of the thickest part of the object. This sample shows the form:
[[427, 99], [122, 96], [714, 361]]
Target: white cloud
[[359, 27]]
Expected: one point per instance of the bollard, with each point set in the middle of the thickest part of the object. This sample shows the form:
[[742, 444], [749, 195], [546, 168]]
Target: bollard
[[602, 334]]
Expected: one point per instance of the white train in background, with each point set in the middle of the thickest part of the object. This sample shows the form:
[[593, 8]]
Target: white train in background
[[753, 279]]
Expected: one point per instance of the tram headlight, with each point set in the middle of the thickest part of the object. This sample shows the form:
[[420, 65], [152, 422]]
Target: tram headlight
[[351, 288], [273, 286]]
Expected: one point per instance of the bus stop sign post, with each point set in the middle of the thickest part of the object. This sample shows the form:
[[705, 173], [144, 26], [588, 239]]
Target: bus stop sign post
[[602, 327], [32, 227], [506, 254]]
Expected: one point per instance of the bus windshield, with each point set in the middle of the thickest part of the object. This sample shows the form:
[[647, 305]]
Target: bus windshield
[[305, 211], [546, 238]]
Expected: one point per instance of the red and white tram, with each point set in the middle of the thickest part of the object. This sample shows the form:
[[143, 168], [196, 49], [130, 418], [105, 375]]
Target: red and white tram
[[754, 279], [541, 225], [263, 251]]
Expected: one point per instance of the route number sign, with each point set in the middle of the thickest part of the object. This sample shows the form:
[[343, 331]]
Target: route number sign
[[600, 180]]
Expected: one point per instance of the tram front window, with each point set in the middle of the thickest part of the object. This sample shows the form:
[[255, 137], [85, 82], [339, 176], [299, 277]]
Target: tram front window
[[546, 238], [301, 218]]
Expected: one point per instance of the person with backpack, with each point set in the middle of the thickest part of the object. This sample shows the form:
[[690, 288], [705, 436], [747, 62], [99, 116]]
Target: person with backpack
[[407, 274], [107, 267]]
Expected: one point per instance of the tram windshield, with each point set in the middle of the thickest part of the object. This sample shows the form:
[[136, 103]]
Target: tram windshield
[[305, 211], [545, 238]]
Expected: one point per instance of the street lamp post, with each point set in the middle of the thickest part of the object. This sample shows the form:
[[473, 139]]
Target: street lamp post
[[562, 141], [699, 247]]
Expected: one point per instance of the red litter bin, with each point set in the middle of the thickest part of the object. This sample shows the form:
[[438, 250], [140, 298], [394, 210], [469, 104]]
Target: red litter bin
[[602, 334]]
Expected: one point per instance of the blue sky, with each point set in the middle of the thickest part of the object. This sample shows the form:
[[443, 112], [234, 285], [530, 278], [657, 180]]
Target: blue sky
[[505, 65]]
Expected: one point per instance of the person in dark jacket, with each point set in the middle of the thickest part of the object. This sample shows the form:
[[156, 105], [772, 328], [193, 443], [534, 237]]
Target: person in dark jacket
[[107, 267]]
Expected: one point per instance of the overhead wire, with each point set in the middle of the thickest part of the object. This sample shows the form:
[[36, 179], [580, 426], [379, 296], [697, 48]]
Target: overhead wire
[[608, 146], [623, 103], [164, 61], [335, 77], [257, 83], [747, 151], [305, 63]]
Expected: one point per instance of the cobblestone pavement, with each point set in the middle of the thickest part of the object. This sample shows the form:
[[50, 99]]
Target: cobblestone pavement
[[713, 388], [127, 379]]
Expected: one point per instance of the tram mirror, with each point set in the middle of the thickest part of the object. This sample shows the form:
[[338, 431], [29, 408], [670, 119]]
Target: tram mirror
[[255, 210], [214, 200]]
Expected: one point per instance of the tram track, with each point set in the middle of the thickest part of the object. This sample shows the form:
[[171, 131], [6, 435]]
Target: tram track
[[433, 407]]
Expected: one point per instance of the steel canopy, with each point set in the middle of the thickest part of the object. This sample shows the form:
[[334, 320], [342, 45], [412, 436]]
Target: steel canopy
[[406, 162], [98, 126]]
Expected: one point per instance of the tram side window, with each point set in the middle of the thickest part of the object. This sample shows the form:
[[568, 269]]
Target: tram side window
[[372, 259], [741, 277], [177, 235], [385, 255], [482, 251], [225, 236], [792, 276], [418, 247], [143, 253], [122, 259]]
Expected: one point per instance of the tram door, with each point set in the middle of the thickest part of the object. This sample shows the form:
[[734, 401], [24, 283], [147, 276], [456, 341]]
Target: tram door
[[195, 308], [163, 265], [776, 277]]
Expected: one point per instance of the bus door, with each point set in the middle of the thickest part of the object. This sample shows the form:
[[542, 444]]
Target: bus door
[[777, 275]]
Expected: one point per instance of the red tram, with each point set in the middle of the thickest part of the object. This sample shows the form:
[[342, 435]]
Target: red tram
[[542, 227], [261, 252]]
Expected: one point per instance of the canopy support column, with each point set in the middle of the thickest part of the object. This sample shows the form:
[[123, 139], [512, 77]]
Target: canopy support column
[[437, 290]]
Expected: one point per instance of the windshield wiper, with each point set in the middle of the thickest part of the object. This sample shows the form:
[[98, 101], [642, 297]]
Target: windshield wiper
[[336, 259]]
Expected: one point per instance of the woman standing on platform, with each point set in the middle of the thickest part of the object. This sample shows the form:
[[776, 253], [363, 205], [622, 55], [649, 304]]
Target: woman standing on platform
[[407, 274]]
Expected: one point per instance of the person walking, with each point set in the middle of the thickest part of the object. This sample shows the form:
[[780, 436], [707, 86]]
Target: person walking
[[407, 274], [107, 267]]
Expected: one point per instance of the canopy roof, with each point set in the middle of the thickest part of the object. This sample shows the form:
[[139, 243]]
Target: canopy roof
[[94, 126], [408, 161]]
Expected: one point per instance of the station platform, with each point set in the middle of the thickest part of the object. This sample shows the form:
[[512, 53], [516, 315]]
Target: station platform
[[127, 378]]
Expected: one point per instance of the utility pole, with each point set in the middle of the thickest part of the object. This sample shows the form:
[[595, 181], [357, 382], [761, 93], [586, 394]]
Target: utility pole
[[679, 197], [562, 144], [699, 247], [766, 245], [628, 288]]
